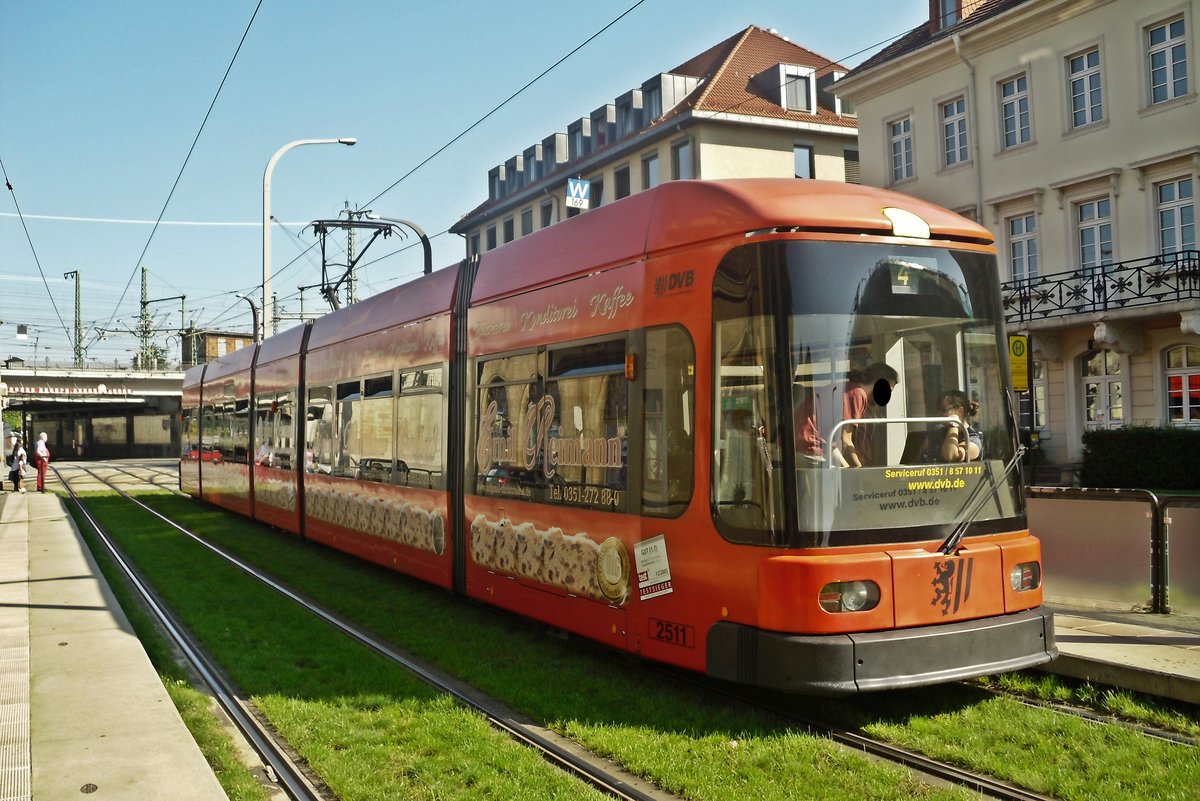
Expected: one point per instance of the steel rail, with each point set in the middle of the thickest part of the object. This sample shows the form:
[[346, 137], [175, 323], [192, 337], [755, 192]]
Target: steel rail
[[554, 752], [855, 739], [287, 774]]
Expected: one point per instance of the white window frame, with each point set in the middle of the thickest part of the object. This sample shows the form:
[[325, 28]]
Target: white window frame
[[1022, 245], [1170, 48], [1186, 373], [789, 71], [1178, 208], [1105, 384], [1083, 81], [955, 130], [1013, 103], [899, 134], [1095, 229]]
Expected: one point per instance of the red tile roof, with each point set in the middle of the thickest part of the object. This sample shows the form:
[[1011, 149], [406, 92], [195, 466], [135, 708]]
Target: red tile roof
[[729, 70]]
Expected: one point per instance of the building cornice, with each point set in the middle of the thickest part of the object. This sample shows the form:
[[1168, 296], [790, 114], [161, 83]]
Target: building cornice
[[677, 126], [939, 55]]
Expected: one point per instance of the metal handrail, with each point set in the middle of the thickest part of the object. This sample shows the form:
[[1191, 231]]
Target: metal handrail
[[1166, 278], [1159, 528]]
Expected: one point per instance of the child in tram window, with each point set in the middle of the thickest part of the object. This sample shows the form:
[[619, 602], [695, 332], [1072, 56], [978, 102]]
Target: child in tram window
[[959, 443]]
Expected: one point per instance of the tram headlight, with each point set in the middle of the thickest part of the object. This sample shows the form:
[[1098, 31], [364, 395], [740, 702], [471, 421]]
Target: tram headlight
[[1025, 576], [849, 596]]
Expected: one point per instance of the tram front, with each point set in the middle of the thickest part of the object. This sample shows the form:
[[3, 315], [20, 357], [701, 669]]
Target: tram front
[[864, 436]]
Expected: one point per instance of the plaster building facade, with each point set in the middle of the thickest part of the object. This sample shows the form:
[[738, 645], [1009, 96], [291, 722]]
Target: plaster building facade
[[1070, 129], [754, 105]]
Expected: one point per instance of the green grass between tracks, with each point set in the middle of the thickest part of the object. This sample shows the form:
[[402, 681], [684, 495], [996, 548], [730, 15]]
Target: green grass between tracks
[[691, 746]]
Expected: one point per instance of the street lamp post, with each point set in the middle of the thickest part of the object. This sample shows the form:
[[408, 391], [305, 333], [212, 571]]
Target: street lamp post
[[268, 303], [253, 314]]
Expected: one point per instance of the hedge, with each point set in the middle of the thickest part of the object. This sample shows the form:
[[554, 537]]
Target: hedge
[[1142, 457]]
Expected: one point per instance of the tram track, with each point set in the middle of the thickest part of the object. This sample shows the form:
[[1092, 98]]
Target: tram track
[[289, 776], [554, 749], [930, 771]]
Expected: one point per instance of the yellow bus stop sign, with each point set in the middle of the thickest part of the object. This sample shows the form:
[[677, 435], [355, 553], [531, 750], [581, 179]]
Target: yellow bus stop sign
[[1018, 358]]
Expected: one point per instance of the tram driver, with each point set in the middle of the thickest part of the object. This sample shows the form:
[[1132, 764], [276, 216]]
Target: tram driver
[[959, 442]]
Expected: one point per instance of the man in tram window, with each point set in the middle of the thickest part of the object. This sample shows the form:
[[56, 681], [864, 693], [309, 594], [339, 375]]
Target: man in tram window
[[879, 380]]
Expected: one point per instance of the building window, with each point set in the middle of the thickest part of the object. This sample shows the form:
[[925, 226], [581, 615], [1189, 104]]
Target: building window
[[650, 171], [1176, 216], [853, 170], [651, 104], [796, 90], [1102, 393], [954, 131], [621, 179], [473, 246], [681, 160], [527, 222], [1022, 247], [1166, 51], [1087, 98], [596, 195], [491, 237], [1094, 226], [948, 13], [901, 141], [1014, 111], [547, 214], [1038, 388], [804, 160], [508, 230], [1183, 385]]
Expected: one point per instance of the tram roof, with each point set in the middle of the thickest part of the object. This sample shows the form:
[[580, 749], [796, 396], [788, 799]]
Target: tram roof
[[426, 296], [680, 213]]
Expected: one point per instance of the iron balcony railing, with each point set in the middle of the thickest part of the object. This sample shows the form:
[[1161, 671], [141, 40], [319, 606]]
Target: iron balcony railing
[[1169, 278]]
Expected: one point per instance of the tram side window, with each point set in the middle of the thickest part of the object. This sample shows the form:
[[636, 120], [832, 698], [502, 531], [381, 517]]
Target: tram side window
[[210, 438], [189, 439], [507, 385], [585, 429], [318, 431], [283, 442], [234, 429], [420, 411], [376, 427], [348, 438], [670, 397], [747, 473], [264, 429]]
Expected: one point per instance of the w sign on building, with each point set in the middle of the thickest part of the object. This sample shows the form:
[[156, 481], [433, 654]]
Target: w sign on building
[[578, 190]]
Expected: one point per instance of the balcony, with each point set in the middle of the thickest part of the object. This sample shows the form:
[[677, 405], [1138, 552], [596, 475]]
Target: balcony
[[1154, 281]]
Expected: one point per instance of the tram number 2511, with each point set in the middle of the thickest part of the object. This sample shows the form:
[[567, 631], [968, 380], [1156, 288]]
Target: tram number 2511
[[673, 633]]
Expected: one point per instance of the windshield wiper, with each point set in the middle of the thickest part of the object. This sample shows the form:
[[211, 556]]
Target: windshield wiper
[[951, 544]]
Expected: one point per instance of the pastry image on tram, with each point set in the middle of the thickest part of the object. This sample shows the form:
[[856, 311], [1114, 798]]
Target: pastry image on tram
[[570, 562]]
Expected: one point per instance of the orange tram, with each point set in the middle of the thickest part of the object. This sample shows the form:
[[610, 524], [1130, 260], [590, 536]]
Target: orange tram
[[637, 425]]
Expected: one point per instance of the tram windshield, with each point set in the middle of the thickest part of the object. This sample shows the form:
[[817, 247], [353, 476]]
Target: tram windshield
[[860, 395]]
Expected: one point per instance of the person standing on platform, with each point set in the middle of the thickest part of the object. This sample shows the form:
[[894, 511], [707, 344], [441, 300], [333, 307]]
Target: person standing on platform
[[41, 460], [17, 463]]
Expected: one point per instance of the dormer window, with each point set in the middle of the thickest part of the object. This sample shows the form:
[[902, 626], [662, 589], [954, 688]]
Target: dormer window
[[629, 112], [949, 13], [826, 97], [652, 104], [797, 87]]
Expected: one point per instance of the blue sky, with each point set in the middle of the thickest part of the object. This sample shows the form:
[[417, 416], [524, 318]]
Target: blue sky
[[100, 103]]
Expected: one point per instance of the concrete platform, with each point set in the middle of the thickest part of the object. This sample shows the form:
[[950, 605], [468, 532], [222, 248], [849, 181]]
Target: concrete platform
[[1154, 654], [89, 714]]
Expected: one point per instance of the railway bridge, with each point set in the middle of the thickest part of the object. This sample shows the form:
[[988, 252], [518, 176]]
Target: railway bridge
[[96, 413]]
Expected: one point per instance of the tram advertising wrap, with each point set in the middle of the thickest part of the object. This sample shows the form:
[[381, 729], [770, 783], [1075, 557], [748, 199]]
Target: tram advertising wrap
[[759, 429]]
